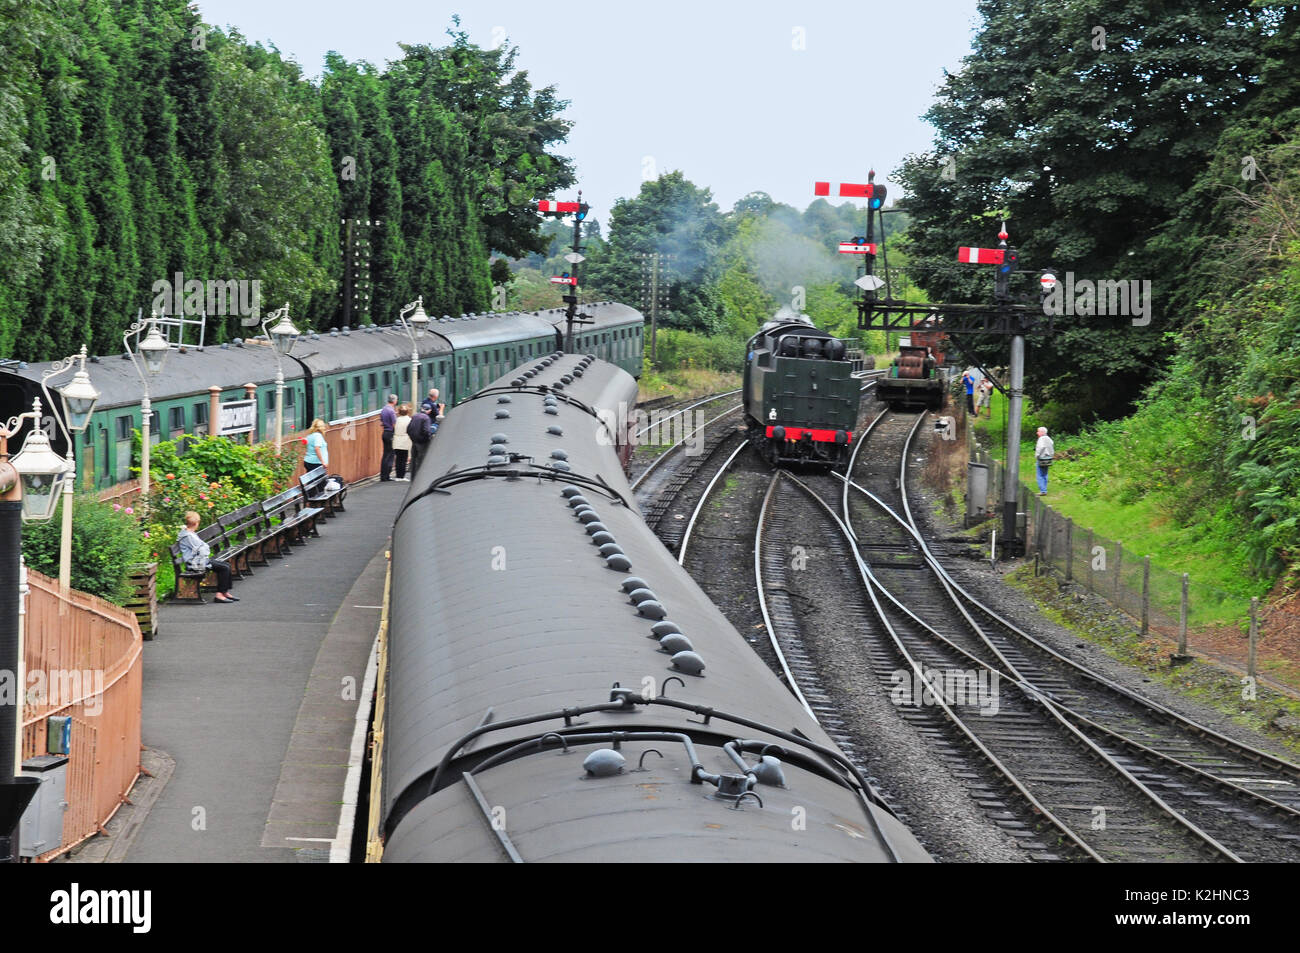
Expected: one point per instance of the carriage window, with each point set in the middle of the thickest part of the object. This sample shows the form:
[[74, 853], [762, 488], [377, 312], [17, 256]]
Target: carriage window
[[372, 381], [176, 420], [406, 375], [343, 386], [474, 359]]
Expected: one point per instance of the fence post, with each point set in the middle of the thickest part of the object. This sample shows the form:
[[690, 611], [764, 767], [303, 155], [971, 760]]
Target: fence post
[[1119, 564], [1254, 635], [1182, 620], [1069, 550], [1088, 557], [1146, 594]]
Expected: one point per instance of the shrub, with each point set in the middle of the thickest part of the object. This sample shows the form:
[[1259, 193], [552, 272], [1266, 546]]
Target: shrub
[[106, 542]]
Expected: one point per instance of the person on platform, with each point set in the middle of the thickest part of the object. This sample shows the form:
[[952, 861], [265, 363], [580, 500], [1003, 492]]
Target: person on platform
[[197, 556], [387, 420], [402, 441], [419, 430], [968, 379], [318, 452], [1044, 451]]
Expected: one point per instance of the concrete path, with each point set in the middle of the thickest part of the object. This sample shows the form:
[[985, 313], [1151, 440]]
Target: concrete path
[[250, 700]]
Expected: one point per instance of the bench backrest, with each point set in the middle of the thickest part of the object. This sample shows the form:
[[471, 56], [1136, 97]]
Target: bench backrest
[[242, 523], [282, 502], [313, 477]]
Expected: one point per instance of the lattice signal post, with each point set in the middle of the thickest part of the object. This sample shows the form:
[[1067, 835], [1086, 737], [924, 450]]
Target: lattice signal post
[[569, 279], [1010, 315], [358, 290], [654, 292]]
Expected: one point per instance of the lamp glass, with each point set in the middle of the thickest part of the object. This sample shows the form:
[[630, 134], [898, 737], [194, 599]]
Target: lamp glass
[[154, 350], [284, 334], [79, 399], [42, 472], [420, 321]]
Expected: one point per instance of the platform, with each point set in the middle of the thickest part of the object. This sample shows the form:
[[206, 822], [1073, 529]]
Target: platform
[[257, 702]]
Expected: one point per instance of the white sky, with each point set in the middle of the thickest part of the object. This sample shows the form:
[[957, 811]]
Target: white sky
[[715, 89]]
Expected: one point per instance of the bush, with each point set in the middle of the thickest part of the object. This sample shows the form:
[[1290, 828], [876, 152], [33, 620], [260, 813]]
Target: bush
[[106, 542]]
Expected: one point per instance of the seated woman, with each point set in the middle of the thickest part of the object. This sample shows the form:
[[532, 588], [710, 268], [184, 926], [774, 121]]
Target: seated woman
[[197, 556]]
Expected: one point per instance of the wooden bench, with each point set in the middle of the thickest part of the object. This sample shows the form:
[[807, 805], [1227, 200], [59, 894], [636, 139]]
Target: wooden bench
[[245, 538], [191, 580], [297, 521], [313, 490]]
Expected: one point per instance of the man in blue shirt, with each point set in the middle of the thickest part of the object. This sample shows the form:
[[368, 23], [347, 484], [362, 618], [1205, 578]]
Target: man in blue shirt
[[388, 420], [969, 380]]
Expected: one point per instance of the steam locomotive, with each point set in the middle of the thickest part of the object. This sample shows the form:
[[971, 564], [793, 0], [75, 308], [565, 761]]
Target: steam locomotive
[[800, 397]]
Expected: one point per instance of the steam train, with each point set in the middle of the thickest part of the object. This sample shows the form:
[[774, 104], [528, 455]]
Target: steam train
[[333, 375], [556, 688], [800, 397]]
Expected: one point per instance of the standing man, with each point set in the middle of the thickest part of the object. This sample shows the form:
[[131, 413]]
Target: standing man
[[1044, 451], [982, 394], [387, 420], [433, 406], [419, 431], [969, 380]]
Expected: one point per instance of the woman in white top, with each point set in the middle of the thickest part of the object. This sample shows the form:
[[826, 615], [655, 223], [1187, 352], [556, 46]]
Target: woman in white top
[[401, 442]]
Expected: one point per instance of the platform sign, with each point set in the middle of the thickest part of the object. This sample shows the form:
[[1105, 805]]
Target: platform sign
[[857, 248], [563, 280], [237, 416]]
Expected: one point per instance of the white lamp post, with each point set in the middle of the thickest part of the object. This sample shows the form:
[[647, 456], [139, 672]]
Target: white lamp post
[[415, 327], [153, 349], [79, 398], [41, 470], [282, 336]]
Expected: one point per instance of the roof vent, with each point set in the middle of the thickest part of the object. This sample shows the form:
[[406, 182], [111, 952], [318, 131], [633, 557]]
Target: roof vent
[[600, 539], [768, 771], [555, 431], [517, 382], [634, 582], [559, 455], [502, 414], [529, 374], [567, 379], [604, 763], [558, 385], [577, 500], [618, 561], [496, 459], [609, 549], [561, 465], [660, 629], [577, 372], [238, 342], [503, 399], [594, 528], [652, 609], [675, 642], [570, 491], [688, 662], [552, 410], [641, 595], [500, 438], [588, 515]]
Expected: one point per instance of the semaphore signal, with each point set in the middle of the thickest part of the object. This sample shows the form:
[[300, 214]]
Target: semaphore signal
[[579, 211]]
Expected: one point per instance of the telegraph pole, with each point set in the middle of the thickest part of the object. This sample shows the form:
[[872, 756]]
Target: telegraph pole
[[654, 293]]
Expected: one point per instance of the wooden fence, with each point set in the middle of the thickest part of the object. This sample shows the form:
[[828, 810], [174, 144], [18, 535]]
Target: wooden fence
[[355, 447], [84, 659]]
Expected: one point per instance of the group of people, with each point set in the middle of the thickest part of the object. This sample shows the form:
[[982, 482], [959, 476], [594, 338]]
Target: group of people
[[979, 393], [406, 435]]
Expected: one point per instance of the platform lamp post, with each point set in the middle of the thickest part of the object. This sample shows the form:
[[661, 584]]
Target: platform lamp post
[[79, 398], [282, 335], [415, 326], [152, 348], [29, 489]]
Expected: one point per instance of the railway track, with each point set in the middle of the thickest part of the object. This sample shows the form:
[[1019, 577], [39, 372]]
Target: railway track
[[1244, 800]]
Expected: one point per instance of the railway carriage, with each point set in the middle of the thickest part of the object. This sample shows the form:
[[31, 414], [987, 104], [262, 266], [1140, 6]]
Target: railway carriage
[[333, 375], [557, 687]]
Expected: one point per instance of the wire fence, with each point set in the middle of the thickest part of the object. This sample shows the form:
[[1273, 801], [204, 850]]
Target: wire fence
[[1193, 617]]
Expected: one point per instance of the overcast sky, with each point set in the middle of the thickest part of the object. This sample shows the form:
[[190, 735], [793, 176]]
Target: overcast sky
[[766, 95]]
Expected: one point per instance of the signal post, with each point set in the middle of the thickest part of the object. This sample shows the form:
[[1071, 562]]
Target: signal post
[[575, 257]]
